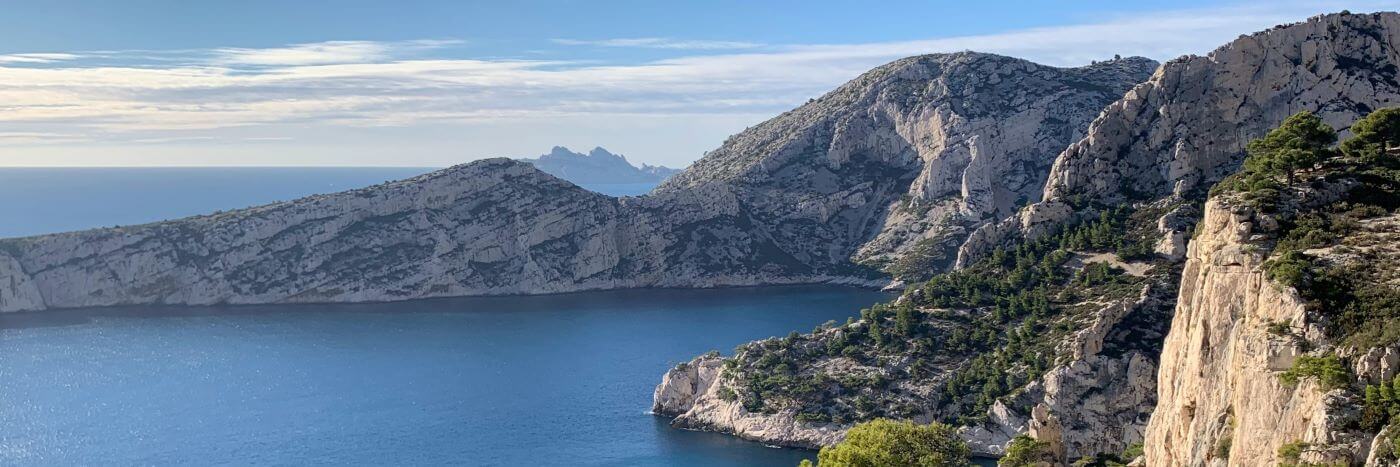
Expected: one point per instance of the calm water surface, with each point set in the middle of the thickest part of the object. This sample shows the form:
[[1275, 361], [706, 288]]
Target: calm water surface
[[512, 381]]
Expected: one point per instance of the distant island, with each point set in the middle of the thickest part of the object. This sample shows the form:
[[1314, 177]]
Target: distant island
[[598, 166]]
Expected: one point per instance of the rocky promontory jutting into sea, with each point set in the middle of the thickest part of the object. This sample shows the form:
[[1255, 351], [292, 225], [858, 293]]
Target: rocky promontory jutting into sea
[[1071, 285]]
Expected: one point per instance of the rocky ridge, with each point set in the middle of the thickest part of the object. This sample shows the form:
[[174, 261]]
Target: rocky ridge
[[489, 227], [598, 166], [1186, 127], [1155, 151], [912, 154], [789, 201], [1219, 379]]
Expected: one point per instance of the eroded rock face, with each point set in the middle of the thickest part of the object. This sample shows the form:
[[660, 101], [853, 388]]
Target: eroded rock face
[[494, 226], [1100, 399], [489, 227], [916, 149], [1187, 126], [1219, 382], [1158, 148], [789, 201], [691, 393], [1189, 123]]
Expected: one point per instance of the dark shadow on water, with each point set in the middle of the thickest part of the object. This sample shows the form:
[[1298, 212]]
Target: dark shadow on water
[[579, 301], [688, 447]]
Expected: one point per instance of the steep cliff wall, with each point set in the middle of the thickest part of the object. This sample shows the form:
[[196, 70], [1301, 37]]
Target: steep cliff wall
[[1186, 127], [1221, 400], [918, 150], [1283, 345], [791, 200], [1151, 154]]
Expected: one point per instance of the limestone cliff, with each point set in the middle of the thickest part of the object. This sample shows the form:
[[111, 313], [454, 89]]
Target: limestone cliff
[[489, 227], [494, 226], [1221, 398], [791, 200], [1186, 127], [1152, 154], [910, 154], [1283, 345], [693, 393]]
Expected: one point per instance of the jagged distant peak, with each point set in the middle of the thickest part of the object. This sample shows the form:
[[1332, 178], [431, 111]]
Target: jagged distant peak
[[561, 151], [597, 166], [598, 151]]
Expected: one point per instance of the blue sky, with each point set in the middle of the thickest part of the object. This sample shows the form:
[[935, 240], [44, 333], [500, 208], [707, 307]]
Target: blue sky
[[433, 83]]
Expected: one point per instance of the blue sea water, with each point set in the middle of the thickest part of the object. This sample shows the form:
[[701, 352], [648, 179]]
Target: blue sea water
[[547, 380], [510, 381], [46, 200]]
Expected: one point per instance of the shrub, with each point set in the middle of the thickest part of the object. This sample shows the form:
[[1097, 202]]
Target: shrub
[[1290, 453], [1133, 451], [1290, 269], [1327, 370], [1280, 328], [1025, 451], [884, 442], [813, 417], [1222, 447], [727, 395]]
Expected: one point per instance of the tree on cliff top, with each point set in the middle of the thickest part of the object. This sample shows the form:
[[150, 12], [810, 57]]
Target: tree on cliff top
[[1374, 136], [1300, 142]]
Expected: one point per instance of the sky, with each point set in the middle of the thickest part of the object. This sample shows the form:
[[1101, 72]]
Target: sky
[[441, 82]]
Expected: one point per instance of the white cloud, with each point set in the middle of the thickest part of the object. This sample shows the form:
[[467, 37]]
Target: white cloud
[[365, 84], [172, 139], [36, 58], [661, 43], [322, 53]]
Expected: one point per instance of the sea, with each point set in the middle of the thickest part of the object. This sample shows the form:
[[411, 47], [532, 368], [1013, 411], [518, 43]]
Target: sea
[[499, 381], [509, 381]]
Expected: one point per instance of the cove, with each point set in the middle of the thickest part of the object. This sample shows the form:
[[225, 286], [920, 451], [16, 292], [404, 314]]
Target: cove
[[544, 380]]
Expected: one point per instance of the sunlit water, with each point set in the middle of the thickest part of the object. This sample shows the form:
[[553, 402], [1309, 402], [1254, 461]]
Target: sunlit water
[[512, 381]]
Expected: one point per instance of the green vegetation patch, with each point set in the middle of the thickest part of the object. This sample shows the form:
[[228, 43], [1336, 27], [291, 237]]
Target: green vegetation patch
[[884, 442]]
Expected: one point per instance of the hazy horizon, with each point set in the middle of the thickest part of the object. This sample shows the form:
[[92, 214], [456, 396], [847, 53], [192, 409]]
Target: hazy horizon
[[434, 83]]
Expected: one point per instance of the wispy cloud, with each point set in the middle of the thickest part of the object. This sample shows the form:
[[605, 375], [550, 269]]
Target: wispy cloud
[[323, 53], [172, 139], [32, 137], [661, 43], [131, 96], [36, 58]]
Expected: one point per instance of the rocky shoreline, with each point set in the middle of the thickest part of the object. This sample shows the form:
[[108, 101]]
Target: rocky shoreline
[[1156, 150]]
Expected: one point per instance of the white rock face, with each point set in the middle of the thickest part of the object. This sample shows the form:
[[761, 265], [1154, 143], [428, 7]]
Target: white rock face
[[489, 227], [1377, 364], [917, 149], [690, 393], [1220, 365], [17, 290], [1099, 401], [789, 201], [1186, 127], [1189, 123]]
